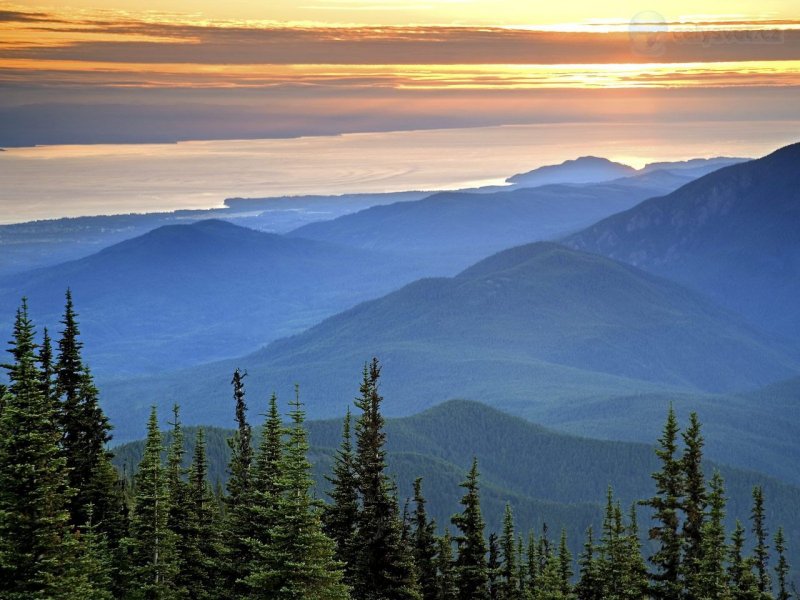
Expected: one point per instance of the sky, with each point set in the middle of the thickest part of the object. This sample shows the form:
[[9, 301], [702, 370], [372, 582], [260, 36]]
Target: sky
[[169, 70], [110, 106]]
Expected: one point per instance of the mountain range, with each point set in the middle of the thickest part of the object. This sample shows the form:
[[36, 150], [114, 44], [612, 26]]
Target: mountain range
[[733, 235], [185, 294], [546, 476]]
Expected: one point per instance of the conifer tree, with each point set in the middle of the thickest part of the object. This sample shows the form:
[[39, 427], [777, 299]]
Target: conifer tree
[[761, 550], [523, 585], [34, 491], [564, 566], [533, 563], [89, 574], [743, 583], [383, 569], [86, 433], [493, 567], [424, 544], [782, 566], [307, 569], [179, 517], [341, 516], [262, 574], [636, 584], [152, 544], [713, 579], [509, 586], [694, 506], [666, 506], [471, 568], [445, 576], [202, 548], [47, 368], [237, 527], [590, 585]]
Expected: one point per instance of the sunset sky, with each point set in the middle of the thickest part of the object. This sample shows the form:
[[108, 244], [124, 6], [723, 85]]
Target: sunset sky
[[178, 69]]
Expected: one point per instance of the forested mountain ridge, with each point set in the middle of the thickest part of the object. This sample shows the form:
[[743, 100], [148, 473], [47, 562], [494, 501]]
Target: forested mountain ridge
[[733, 234], [535, 330], [185, 294]]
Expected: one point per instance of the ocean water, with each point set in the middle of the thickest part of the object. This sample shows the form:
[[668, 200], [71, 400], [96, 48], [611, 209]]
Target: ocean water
[[61, 181]]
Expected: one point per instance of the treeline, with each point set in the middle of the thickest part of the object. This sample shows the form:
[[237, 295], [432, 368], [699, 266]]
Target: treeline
[[72, 527]]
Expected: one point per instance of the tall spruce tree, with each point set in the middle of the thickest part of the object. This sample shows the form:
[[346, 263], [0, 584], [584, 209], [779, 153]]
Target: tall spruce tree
[[262, 575], [179, 516], [34, 491], [666, 508], [86, 433], [340, 517], [509, 583], [152, 545], [761, 550], [424, 544], [590, 584], [383, 569], [202, 546], [743, 582], [782, 566], [445, 574], [493, 567], [471, 568], [564, 566], [713, 578], [636, 576], [307, 569], [237, 527], [694, 507]]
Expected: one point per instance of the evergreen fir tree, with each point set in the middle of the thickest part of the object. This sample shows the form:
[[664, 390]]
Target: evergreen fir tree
[[179, 517], [341, 516], [534, 564], [761, 550], [446, 588], [523, 578], [471, 568], [713, 579], [152, 544], [493, 568], [694, 507], [262, 574], [307, 569], [89, 574], [636, 582], [47, 368], [383, 569], [509, 584], [237, 527], [86, 433], [590, 585], [666, 505], [201, 546], [743, 583], [34, 491], [564, 566], [782, 568], [424, 545]]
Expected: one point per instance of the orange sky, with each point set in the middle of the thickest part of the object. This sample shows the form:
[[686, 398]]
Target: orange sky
[[330, 56]]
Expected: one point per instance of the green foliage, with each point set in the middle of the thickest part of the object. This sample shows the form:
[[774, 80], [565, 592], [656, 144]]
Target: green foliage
[[34, 491], [382, 568], [423, 539], [471, 568], [153, 563], [666, 506]]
